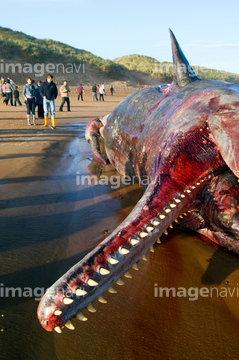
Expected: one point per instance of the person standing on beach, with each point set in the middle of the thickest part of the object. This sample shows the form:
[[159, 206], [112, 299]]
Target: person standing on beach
[[4, 89], [29, 95], [8, 93], [80, 91], [39, 101], [64, 90], [111, 90], [94, 94], [48, 91], [16, 96], [101, 91]]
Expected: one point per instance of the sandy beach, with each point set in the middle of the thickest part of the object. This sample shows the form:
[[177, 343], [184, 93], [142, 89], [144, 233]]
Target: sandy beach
[[49, 222]]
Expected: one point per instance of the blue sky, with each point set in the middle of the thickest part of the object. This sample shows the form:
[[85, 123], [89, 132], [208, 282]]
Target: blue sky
[[207, 30]]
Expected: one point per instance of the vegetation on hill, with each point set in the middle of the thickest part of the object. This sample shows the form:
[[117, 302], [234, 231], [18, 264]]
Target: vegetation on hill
[[164, 70], [16, 46]]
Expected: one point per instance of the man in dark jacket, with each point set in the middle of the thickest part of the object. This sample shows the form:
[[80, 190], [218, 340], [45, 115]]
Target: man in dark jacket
[[48, 91]]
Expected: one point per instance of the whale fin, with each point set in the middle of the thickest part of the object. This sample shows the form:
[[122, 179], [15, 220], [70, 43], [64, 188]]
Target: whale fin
[[184, 73]]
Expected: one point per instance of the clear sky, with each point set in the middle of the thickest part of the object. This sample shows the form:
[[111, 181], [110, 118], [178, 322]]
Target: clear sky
[[207, 31]]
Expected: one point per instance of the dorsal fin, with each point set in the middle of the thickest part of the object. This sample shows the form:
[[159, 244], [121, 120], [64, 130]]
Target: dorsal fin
[[184, 74]]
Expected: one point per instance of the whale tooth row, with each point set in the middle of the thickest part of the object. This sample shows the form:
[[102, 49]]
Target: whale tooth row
[[69, 324], [123, 251], [103, 271]]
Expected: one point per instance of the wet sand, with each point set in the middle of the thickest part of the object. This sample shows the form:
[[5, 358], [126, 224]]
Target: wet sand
[[49, 222]]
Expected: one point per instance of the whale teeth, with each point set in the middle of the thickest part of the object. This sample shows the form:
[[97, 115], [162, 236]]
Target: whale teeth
[[92, 282], [172, 205], [57, 312], [167, 211], [177, 200], [104, 271], [67, 301], [151, 248], [181, 216], [193, 187], [127, 275], [182, 195], [176, 220], [149, 228], [135, 267], [198, 183], [80, 292], [185, 214], [81, 317], [90, 308], [102, 300], [124, 251], [143, 234], [158, 241], [58, 329], [112, 290], [119, 282], [161, 216], [202, 180], [134, 242], [113, 261], [188, 190], [144, 258], [155, 222], [171, 226], [165, 232], [69, 325]]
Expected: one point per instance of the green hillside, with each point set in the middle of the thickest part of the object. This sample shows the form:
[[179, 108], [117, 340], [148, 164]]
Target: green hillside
[[164, 70], [29, 56], [17, 46]]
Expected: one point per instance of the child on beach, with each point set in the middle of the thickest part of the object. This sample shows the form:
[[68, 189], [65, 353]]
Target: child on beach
[[29, 95], [16, 96]]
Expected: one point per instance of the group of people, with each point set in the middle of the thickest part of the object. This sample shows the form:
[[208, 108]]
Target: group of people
[[43, 97], [9, 90], [98, 90]]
